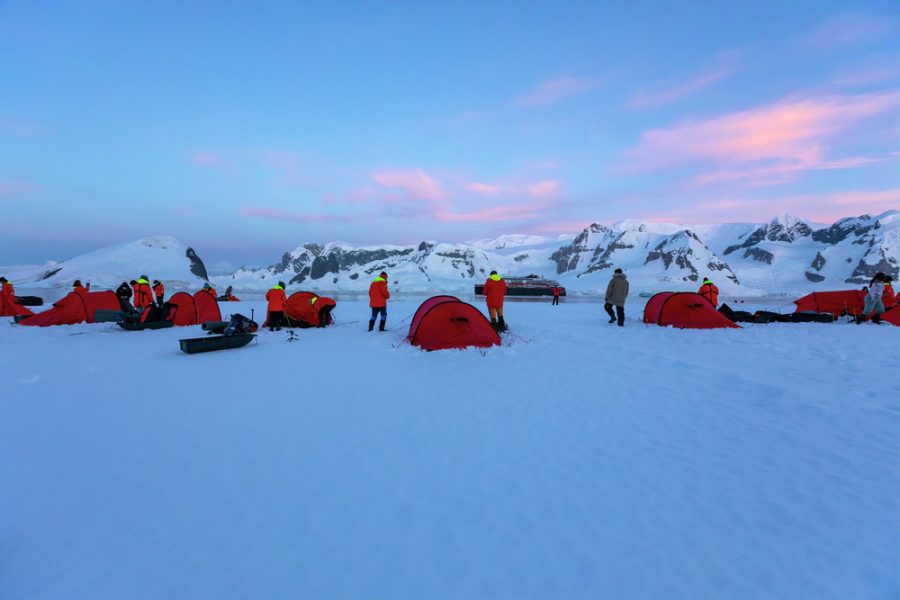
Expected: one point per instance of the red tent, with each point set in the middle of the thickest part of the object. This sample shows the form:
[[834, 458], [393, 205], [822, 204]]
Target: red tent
[[444, 322], [74, 308], [305, 309], [183, 310], [892, 316], [207, 307], [685, 310], [844, 302]]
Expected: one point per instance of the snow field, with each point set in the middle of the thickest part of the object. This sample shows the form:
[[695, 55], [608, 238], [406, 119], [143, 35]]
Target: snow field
[[579, 460]]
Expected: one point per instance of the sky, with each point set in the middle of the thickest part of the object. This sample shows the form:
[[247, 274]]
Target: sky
[[248, 129]]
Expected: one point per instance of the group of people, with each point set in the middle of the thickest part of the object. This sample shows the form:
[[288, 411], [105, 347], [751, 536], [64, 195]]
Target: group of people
[[139, 294]]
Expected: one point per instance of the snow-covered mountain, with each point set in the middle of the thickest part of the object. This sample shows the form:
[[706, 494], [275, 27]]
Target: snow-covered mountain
[[785, 255], [163, 257]]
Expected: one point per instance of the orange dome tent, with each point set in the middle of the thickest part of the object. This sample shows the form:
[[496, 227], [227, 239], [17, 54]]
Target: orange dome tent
[[445, 322], [685, 310]]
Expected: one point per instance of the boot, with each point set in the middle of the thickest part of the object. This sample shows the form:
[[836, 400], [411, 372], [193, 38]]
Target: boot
[[494, 325], [859, 319], [371, 324], [502, 324], [877, 319], [381, 326]]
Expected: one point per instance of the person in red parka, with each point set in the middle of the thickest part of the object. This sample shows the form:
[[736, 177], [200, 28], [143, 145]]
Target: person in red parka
[[276, 298], [143, 295], [80, 289], [709, 291], [887, 297], [378, 297], [494, 292], [159, 290], [9, 306], [556, 291]]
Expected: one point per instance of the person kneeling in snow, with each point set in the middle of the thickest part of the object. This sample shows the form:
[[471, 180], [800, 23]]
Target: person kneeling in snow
[[276, 298], [616, 293], [873, 300], [378, 297], [494, 293]]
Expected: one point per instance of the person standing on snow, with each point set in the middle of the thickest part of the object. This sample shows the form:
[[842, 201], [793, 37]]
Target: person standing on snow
[[378, 297], [887, 298], [124, 293], [494, 293], [276, 298], [143, 295], [709, 291], [556, 291], [159, 290], [873, 300], [616, 293]]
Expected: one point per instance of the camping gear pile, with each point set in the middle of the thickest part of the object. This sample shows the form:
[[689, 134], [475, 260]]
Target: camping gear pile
[[181, 310], [224, 335]]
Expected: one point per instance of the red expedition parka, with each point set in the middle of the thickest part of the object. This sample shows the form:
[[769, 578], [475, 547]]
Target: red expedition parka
[[494, 291], [378, 293]]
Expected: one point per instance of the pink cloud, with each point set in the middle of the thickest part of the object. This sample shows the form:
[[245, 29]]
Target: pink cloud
[[554, 91], [766, 143], [488, 189], [540, 189], [880, 198], [294, 217], [415, 184], [672, 90], [14, 188]]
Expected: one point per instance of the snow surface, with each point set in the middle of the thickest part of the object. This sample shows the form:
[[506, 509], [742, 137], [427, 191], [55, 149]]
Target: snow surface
[[580, 460]]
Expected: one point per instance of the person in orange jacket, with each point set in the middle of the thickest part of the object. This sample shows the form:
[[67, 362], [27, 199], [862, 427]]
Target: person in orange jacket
[[276, 298], [887, 297], [9, 306], [210, 290], [143, 295], [709, 291], [81, 289], [159, 290], [556, 291], [378, 297], [494, 292]]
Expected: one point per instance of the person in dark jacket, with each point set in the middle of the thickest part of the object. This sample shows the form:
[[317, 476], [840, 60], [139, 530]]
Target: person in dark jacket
[[123, 293], [616, 293]]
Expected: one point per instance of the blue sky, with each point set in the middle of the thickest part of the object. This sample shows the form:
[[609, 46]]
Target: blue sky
[[246, 131]]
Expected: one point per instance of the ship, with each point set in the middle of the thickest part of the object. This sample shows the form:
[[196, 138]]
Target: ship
[[529, 285]]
